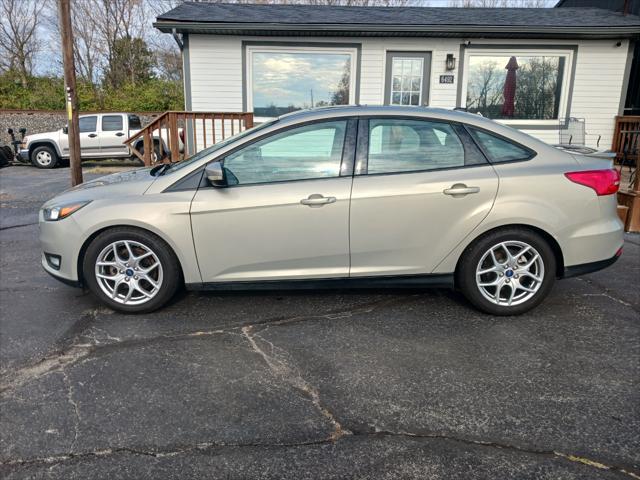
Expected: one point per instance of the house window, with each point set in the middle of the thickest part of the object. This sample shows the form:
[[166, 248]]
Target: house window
[[517, 85], [282, 80]]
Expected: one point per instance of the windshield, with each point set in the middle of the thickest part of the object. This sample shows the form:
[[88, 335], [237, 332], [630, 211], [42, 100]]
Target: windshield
[[209, 150]]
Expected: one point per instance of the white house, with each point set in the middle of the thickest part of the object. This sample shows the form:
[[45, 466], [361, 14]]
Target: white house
[[271, 59]]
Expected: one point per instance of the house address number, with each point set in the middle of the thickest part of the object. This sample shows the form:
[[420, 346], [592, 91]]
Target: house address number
[[446, 78]]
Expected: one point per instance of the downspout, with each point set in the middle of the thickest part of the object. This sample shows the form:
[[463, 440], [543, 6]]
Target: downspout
[[177, 38], [189, 148]]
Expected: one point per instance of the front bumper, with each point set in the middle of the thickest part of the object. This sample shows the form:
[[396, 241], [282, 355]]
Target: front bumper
[[63, 239], [23, 155]]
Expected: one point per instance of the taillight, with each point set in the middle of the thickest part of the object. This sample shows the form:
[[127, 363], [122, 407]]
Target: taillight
[[604, 182]]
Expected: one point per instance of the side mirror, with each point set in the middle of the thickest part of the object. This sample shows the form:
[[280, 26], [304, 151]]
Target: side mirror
[[23, 131], [65, 130], [215, 174]]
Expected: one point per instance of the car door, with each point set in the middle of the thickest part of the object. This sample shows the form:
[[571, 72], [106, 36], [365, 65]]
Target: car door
[[112, 136], [421, 186], [89, 136], [285, 211]]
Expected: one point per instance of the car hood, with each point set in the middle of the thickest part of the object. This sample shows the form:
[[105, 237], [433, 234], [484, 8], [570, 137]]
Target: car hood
[[132, 182]]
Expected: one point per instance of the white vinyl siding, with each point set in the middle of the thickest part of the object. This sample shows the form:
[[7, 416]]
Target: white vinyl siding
[[216, 74]]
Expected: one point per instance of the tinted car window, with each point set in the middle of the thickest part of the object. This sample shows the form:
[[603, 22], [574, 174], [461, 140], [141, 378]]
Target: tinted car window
[[111, 123], [88, 124], [399, 145], [311, 151], [499, 149], [134, 122]]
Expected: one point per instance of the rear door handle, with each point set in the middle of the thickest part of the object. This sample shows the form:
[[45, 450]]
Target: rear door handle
[[460, 189], [119, 134], [92, 135], [317, 200]]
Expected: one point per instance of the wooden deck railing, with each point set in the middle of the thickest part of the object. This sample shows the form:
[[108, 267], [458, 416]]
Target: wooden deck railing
[[624, 138], [177, 135]]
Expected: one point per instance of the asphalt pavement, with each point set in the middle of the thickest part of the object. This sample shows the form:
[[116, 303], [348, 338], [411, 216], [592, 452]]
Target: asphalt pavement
[[308, 385]]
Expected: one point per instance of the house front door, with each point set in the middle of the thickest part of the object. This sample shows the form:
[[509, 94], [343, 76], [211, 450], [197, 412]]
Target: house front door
[[407, 78]]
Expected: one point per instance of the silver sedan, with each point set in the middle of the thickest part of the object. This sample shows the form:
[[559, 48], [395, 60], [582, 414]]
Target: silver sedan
[[343, 197]]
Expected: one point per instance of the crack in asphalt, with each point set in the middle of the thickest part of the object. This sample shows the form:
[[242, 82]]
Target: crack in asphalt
[[376, 433], [292, 375], [277, 362], [72, 352], [75, 407]]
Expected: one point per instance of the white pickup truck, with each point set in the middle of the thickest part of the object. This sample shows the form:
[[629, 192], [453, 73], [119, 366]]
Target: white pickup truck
[[101, 136]]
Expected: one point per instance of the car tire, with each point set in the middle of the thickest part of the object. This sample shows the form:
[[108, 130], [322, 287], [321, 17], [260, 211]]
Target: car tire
[[6, 156], [507, 271], [44, 157], [145, 266]]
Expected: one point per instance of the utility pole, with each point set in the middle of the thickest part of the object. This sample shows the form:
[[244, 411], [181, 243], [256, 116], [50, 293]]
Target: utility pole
[[73, 129]]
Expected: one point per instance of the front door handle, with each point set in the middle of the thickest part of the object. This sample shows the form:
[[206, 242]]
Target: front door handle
[[92, 135], [317, 200], [460, 190]]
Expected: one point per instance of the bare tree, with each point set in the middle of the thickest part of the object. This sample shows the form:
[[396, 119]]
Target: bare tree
[[19, 36], [87, 42]]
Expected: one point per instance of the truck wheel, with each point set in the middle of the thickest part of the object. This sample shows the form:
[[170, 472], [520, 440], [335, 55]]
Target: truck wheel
[[44, 157], [155, 154]]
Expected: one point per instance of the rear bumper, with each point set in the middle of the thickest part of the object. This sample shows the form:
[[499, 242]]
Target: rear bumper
[[583, 269]]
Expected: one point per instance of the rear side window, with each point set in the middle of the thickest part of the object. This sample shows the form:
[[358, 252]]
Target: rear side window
[[402, 145], [499, 149], [111, 123]]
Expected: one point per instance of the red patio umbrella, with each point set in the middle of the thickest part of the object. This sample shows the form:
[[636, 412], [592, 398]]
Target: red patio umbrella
[[509, 91]]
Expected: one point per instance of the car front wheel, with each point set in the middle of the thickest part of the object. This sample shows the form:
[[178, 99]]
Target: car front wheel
[[44, 157], [131, 270], [507, 272]]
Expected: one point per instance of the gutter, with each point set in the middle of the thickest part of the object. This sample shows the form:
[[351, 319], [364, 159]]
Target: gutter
[[487, 31]]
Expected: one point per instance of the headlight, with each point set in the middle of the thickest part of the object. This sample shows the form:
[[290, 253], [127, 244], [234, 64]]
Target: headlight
[[62, 211]]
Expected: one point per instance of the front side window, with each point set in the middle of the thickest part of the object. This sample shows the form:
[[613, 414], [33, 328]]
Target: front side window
[[134, 122], [88, 124], [111, 123], [282, 81], [307, 152], [499, 149], [516, 86], [399, 145]]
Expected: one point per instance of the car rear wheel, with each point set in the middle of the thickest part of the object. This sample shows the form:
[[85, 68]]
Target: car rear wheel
[[507, 272], [44, 157], [131, 270]]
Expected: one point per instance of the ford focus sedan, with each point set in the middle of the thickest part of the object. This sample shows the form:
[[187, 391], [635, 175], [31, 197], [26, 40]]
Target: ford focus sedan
[[343, 197]]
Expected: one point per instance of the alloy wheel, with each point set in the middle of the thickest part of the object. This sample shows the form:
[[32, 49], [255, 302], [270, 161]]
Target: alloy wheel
[[510, 273], [129, 272]]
